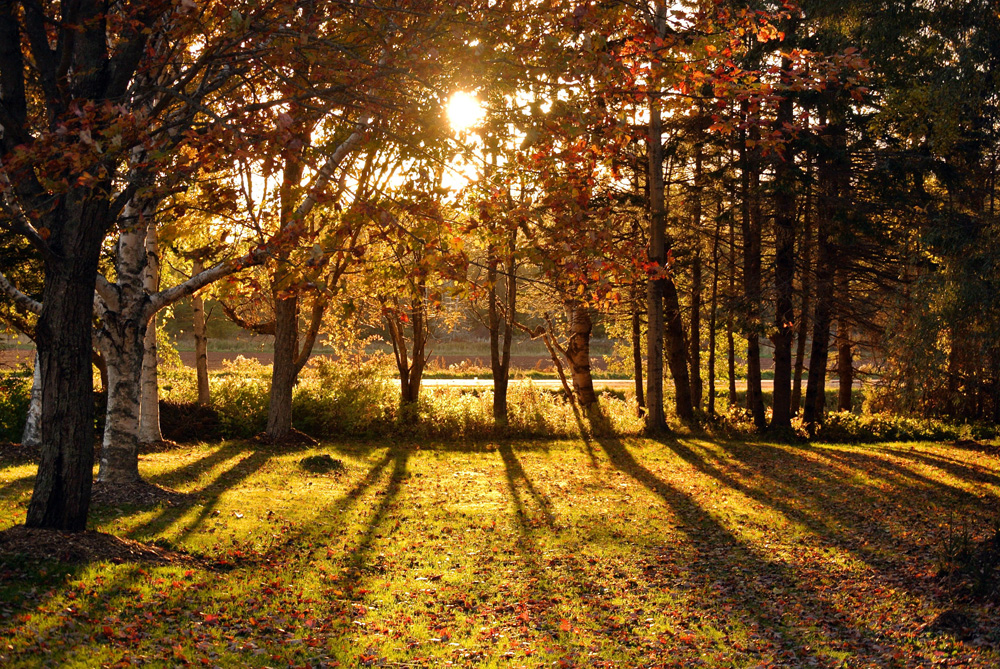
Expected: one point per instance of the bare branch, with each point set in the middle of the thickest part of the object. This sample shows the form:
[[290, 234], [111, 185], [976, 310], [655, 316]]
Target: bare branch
[[261, 254]]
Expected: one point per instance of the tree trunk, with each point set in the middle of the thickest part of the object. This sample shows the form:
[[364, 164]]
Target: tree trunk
[[121, 338], [120, 449], [816, 383], [32, 435], [655, 418], [500, 342], [694, 341], [578, 354], [730, 335], [419, 319], [845, 358], [751, 221], [411, 368], [200, 340], [676, 351], [784, 262], [286, 316], [640, 400], [149, 416], [63, 337], [806, 283], [286, 342], [713, 312], [833, 177]]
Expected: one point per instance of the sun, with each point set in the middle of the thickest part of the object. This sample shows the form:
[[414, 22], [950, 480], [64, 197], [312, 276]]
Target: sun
[[464, 111]]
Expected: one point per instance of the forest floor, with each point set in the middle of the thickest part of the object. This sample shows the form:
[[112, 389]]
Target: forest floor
[[604, 553]]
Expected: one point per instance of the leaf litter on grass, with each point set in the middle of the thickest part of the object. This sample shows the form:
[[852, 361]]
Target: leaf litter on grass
[[632, 553]]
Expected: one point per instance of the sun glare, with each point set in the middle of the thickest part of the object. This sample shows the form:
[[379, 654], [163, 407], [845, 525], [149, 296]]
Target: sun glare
[[464, 111]]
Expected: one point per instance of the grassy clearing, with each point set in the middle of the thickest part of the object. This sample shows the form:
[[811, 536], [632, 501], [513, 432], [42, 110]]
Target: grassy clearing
[[608, 553]]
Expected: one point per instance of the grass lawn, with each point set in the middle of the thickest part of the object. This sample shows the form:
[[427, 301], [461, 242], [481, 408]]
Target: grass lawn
[[606, 553]]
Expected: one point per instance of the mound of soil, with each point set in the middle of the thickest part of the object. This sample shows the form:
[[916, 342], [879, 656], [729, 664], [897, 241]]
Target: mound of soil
[[187, 422], [322, 464], [82, 547]]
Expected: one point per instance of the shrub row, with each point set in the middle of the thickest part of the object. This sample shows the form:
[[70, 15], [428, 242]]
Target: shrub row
[[358, 398]]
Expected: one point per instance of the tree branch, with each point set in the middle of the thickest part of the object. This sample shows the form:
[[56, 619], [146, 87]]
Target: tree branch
[[319, 308], [259, 255], [108, 292], [257, 328], [20, 299]]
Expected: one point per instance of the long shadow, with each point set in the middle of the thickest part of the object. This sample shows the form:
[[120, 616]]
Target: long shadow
[[115, 596], [546, 587], [827, 493], [869, 520], [719, 551], [210, 495], [895, 473], [357, 560], [196, 468], [516, 475], [360, 557], [17, 486], [478, 444], [956, 468], [333, 511], [526, 522]]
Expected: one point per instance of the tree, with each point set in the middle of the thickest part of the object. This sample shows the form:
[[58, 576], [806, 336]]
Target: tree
[[80, 119], [75, 104]]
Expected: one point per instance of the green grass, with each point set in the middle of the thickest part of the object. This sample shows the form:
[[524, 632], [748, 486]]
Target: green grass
[[604, 553]]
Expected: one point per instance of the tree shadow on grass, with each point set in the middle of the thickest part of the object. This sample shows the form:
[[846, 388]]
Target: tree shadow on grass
[[822, 496], [115, 597], [864, 509], [359, 559], [305, 543], [518, 478], [209, 497], [959, 469], [17, 486], [559, 588], [870, 507], [196, 468], [365, 447], [740, 584]]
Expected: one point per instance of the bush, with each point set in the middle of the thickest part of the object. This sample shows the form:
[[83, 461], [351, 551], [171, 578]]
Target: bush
[[15, 395], [241, 395], [357, 396], [179, 384], [189, 421], [844, 426], [348, 396]]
